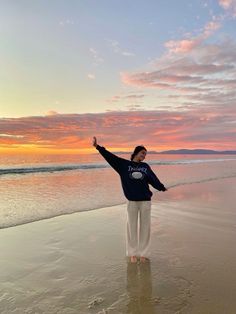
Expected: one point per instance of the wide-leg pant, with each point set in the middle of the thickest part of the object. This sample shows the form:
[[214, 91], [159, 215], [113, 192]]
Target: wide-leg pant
[[138, 228]]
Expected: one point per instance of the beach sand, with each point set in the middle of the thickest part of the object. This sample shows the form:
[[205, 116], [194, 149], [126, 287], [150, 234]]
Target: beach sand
[[76, 263]]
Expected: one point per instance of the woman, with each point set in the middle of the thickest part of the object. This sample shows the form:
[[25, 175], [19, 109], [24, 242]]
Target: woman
[[135, 176]]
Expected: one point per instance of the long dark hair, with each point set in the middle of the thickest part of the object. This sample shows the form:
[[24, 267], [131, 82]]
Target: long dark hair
[[137, 150]]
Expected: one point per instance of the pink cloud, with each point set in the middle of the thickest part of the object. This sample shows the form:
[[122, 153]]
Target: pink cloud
[[229, 5], [207, 70], [158, 129], [187, 45], [211, 27]]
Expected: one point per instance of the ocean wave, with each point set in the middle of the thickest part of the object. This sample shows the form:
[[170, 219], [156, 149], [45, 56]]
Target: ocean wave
[[14, 220], [26, 170], [57, 168], [171, 186], [188, 161]]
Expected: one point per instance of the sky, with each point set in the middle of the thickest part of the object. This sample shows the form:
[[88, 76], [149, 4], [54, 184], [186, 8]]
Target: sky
[[161, 73]]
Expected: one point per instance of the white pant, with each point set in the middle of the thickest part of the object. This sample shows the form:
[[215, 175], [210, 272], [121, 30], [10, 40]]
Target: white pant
[[138, 238]]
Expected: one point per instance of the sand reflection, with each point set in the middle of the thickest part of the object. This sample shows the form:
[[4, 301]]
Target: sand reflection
[[139, 288]]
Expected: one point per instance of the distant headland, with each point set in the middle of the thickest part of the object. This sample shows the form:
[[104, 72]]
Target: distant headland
[[190, 151]]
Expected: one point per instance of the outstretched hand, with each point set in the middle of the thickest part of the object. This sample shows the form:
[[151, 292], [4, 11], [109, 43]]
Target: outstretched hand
[[95, 141]]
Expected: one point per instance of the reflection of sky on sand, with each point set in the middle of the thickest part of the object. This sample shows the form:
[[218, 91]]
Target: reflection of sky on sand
[[208, 206], [199, 192]]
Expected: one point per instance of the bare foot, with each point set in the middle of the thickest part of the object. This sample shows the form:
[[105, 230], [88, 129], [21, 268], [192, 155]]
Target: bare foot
[[133, 259], [144, 259]]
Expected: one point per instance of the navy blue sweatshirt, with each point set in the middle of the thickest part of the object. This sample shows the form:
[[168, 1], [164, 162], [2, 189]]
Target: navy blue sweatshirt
[[135, 176]]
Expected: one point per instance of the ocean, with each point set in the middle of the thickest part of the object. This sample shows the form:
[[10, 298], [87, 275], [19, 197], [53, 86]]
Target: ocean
[[36, 187]]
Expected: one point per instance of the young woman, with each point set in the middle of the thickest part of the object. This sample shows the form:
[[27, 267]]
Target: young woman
[[135, 176]]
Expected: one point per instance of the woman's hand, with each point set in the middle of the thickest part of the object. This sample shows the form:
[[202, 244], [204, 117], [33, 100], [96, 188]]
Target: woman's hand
[[95, 141]]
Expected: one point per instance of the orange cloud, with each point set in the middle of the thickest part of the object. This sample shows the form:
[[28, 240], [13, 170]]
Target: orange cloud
[[158, 130], [51, 113]]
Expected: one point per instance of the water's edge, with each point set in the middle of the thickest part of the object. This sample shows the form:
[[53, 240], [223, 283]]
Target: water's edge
[[35, 219]]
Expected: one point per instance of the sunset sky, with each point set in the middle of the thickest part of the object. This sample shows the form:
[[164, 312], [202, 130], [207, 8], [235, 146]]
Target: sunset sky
[[161, 73]]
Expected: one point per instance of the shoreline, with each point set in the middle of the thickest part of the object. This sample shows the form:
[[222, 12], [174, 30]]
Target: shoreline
[[175, 185], [76, 263]]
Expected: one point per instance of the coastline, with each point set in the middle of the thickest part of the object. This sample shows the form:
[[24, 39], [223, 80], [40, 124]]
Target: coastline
[[76, 263]]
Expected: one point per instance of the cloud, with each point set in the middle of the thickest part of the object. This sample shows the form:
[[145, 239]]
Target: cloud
[[207, 73], [96, 57], [51, 113], [206, 127], [114, 44], [184, 45], [134, 107], [135, 97], [66, 22], [187, 45], [115, 98], [11, 136], [190, 63], [127, 54], [229, 6]]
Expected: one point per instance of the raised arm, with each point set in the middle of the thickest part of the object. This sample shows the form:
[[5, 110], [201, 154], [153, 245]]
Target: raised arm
[[115, 161]]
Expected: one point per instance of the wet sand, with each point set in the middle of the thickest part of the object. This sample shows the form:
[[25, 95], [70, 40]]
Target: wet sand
[[76, 263]]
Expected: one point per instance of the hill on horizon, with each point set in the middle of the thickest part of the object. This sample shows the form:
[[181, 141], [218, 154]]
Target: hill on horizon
[[189, 151]]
